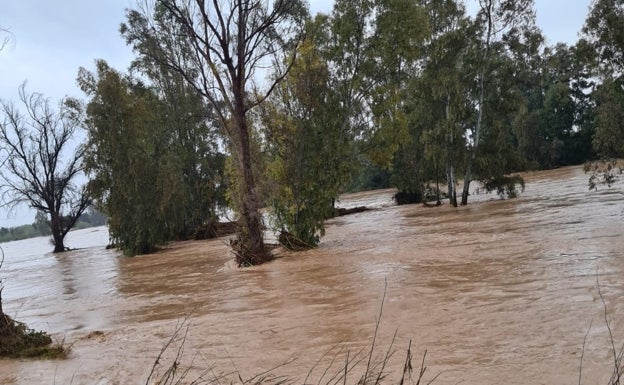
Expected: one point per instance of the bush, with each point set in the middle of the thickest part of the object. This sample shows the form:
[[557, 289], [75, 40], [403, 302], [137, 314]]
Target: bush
[[17, 340]]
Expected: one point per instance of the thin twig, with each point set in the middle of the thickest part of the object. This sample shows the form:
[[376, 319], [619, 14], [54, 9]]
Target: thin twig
[[616, 362], [165, 347], [583, 351], [389, 354], [377, 323], [407, 366]]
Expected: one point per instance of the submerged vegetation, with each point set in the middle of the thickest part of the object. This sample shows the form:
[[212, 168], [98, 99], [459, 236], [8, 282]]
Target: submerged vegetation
[[17, 340], [250, 106], [384, 93]]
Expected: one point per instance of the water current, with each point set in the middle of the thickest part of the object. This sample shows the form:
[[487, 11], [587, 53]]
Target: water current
[[496, 292]]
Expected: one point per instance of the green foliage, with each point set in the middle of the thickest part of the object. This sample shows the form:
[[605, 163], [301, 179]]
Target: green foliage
[[19, 341], [399, 29], [368, 176], [552, 126], [604, 31], [609, 136], [18, 233], [307, 150], [439, 98], [602, 48], [156, 173], [506, 186]]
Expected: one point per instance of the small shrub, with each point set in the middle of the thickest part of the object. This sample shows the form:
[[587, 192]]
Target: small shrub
[[17, 340]]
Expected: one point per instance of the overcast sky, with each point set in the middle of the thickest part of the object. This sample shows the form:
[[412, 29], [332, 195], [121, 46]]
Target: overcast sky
[[52, 39]]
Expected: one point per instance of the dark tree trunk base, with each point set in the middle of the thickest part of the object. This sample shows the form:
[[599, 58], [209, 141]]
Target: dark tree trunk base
[[246, 257]]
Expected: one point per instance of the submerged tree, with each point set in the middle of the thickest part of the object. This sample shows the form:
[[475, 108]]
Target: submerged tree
[[152, 157], [43, 165], [442, 105], [228, 44], [303, 136], [499, 20], [17, 340], [121, 159], [399, 29], [603, 37]]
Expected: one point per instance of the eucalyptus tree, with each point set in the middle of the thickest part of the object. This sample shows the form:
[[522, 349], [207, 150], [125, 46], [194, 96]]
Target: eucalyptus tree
[[43, 166], [303, 137], [604, 33], [314, 119], [567, 103], [346, 48], [230, 42], [194, 168], [398, 31], [443, 87], [154, 166], [603, 40], [122, 157], [497, 20]]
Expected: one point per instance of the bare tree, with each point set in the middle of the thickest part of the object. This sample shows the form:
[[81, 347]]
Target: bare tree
[[41, 164], [220, 47]]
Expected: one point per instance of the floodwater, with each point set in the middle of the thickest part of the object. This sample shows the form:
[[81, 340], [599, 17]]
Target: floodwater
[[498, 292]]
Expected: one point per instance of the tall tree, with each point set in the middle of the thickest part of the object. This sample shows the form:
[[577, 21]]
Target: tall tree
[[399, 29], [604, 31], [195, 165], [346, 48], [43, 164], [230, 43], [609, 136], [122, 158], [603, 39], [303, 133], [497, 18], [154, 165], [443, 88]]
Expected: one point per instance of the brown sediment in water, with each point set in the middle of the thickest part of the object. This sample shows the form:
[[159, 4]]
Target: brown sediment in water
[[500, 291]]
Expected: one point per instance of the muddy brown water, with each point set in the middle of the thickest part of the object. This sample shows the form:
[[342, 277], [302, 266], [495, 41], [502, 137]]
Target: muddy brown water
[[498, 292]]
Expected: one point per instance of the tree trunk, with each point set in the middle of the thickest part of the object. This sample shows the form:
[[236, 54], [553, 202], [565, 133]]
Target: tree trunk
[[56, 226], [452, 189], [438, 202], [467, 180], [468, 176], [450, 169], [250, 248]]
